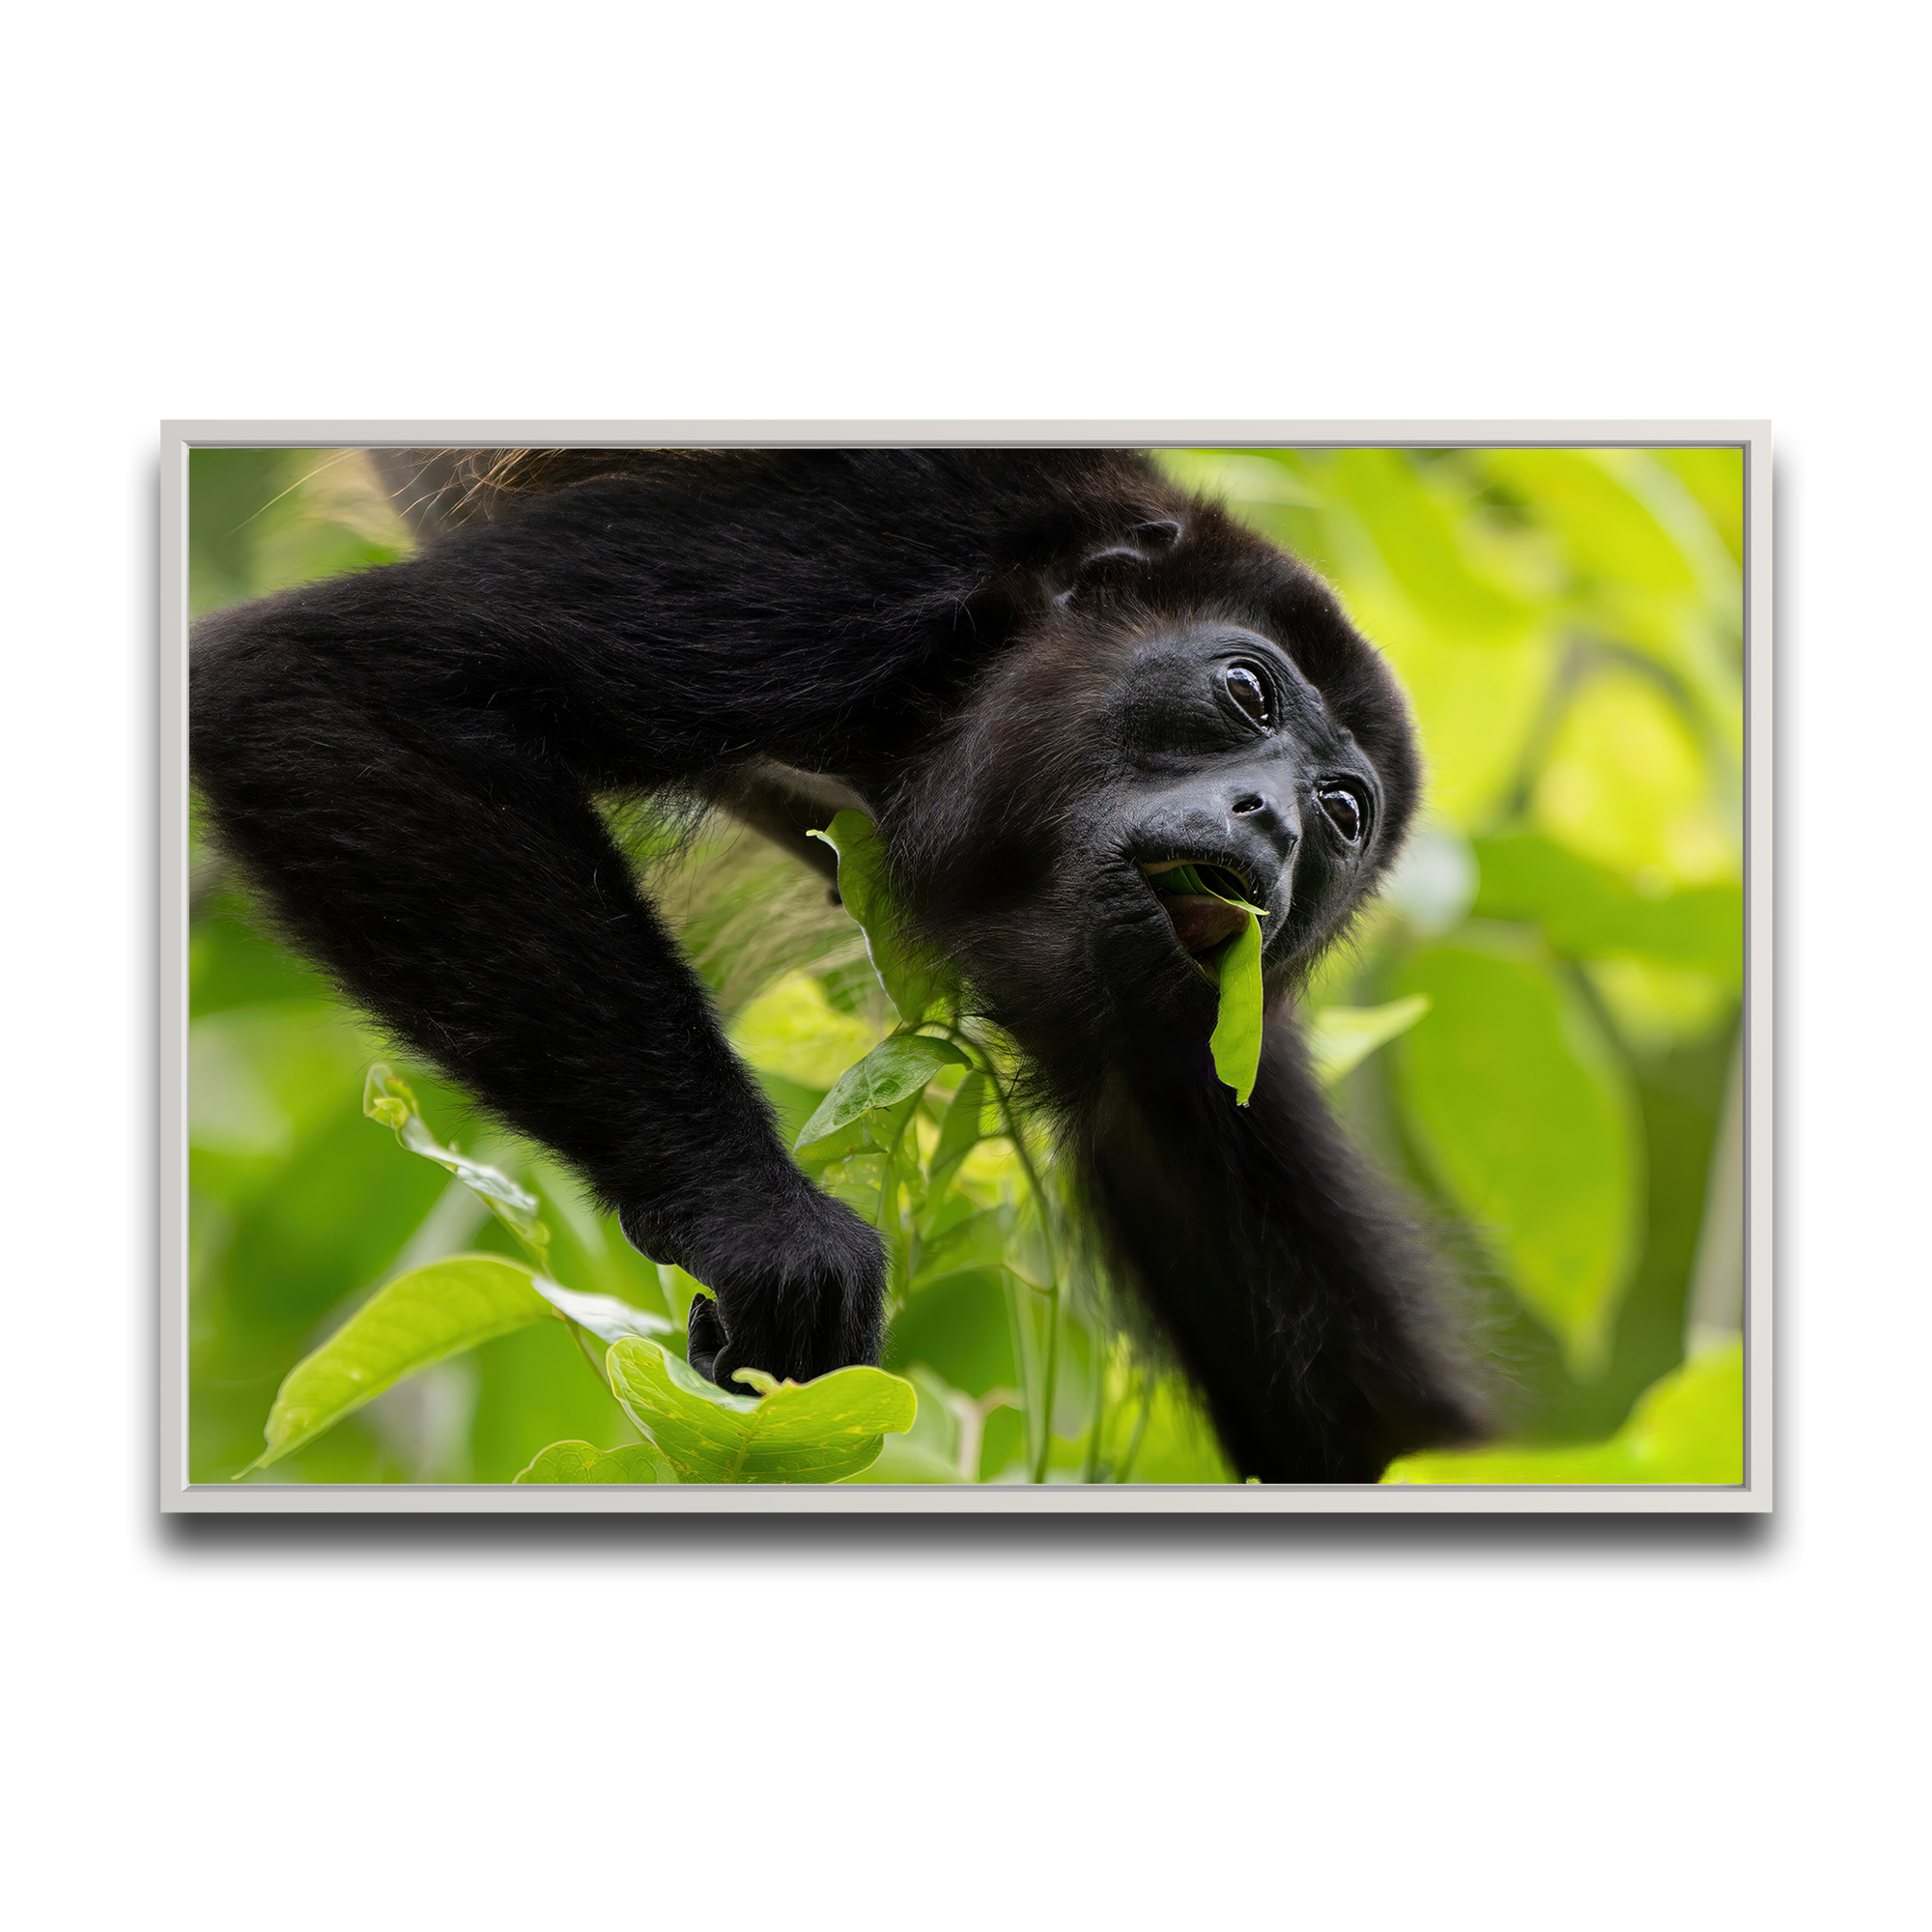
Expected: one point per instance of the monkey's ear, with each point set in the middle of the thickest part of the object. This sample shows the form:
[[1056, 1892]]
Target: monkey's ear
[[1158, 533], [1118, 555]]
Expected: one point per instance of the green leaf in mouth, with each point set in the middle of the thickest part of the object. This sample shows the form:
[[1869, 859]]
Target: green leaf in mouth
[[1216, 883], [1237, 1039]]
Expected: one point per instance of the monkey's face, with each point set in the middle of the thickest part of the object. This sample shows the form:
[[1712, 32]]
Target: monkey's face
[[1224, 757], [1091, 777]]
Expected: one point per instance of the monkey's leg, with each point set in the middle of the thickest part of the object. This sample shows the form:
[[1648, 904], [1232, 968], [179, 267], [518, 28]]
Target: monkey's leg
[[1299, 1300]]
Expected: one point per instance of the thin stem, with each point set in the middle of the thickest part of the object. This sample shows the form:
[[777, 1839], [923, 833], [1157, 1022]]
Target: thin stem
[[983, 1063], [1052, 1376], [1090, 1471], [1022, 1358], [1042, 1444], [1127, 1467], [584, 1348]]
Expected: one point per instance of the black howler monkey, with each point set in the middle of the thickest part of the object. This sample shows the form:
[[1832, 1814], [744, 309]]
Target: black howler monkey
[[1048, 675]]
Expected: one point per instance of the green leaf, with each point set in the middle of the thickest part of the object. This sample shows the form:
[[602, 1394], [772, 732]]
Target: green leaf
[[1588, 912], [1029, 1255], [1237, 1039], [960, 1131], [1188, 879], [852, 1140], [391, 1100], [903, 1461], [1341, 1037], [978, 1240], [916, 980], [604, 1315], [1528, 1123], [895, 1071], [792, 1030], [420, 1318], [816, 1432], [580, 1462], [1687, 1428]]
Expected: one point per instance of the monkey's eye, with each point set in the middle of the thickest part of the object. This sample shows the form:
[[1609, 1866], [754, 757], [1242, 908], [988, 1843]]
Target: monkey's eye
[[1344, 809], [1247, 688]]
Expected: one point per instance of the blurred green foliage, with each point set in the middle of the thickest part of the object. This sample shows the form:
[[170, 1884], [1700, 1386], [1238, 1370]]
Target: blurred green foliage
[[1569, 626]]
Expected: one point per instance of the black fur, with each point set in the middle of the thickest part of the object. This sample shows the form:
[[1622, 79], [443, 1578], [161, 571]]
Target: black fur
[[1018, 661]]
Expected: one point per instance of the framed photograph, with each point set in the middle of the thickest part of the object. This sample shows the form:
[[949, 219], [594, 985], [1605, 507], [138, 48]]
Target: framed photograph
[[975, 967]]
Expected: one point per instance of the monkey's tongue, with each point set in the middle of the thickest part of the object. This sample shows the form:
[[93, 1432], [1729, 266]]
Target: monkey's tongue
[[1200, 921]]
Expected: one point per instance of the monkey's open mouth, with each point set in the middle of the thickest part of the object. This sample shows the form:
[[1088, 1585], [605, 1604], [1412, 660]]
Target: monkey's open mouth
[[1202, 922]]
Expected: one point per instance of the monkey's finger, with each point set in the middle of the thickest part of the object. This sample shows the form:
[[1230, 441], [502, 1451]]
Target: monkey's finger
[[704, 1332]]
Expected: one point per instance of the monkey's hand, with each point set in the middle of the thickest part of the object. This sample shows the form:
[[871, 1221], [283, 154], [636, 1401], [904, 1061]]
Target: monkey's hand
[[800, 1281]]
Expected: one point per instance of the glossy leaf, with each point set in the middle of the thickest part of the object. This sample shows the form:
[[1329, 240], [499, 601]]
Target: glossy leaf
[[420, 1318], [604, 1315], [895, 1071], [916, 981], [1689, 1428], [389, 1099], [1587, 912], [580, 1462], [1341, 1037], [976, 1242], [962, 1129], [816, 1432], [1237, 1039], [1527, 1124], [792, 1030], [1626, 781], [902, 1462]]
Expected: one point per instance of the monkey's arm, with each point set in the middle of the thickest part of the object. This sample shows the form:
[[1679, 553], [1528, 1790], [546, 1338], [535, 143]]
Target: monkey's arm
[[403, 762], [1297, 1296]]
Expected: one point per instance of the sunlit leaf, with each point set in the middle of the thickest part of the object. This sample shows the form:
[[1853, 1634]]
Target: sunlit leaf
[[853, 1139], [978, 1240], [389, 1099], [1527, 1121], [962, 1129], [604, 1315], [1028, 1257], [1587, 912], [915, 981], [1689, 1428], [1715, 478], [1655, 1007], [1341, 1037], [419, 1317], [1246, 478], [1628, 785], [263, 1079], [895, 1071], [580, 1462], [1647, 566], [1237, 1038], [793, 1029], [816, 1432], [1591, 499], [902, 1462]]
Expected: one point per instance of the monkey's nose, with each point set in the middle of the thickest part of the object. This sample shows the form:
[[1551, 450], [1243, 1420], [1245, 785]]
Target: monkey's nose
[[1257, 813]]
